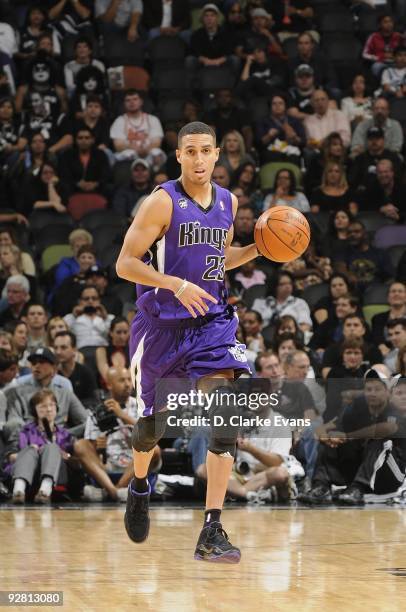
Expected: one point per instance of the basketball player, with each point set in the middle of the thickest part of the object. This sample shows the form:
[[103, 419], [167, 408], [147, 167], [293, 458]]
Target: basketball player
[[184, 327]]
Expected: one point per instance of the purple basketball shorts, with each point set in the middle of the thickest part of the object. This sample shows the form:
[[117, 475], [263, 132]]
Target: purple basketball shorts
[[183, 348]]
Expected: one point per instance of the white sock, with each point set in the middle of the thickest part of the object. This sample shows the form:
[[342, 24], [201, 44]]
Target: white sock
[[19, 486], [46, 485]]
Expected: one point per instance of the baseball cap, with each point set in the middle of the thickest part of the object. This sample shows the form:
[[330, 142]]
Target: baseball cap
[[260, 12], [42, 353], [141, 162], [375, 132], [211, 7], [304, 69], [96, 271], [398, 380], [373, 374]]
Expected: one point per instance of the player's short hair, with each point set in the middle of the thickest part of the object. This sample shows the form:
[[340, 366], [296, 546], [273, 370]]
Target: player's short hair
[[196, 127]]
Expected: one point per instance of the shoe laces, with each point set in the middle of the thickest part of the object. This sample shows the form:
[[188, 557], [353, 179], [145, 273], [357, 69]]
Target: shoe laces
[[214, 531]]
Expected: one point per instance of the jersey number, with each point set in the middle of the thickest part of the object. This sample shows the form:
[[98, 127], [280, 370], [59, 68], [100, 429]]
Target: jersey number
[[216, 268]]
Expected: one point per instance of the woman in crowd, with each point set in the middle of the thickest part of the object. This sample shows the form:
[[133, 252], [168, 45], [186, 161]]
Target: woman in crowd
[[280, 136], [252, 324], [249, 275], [333, 192], [337, 234], [285, 194], [232, 152], [245, 179], [332, 150], [42, 451], [8, 238], [34, 27], [338, 285], [45, 191], [6, 341], [357, 106], [11, 264], [116, 353], [54, 326], [19, 338], [28, 167], [70, 265]]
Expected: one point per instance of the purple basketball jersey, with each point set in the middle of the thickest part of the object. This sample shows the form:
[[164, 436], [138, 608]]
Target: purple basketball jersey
[[193, 248]]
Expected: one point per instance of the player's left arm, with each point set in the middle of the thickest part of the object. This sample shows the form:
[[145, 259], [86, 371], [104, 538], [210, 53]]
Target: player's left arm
[[237, 256]]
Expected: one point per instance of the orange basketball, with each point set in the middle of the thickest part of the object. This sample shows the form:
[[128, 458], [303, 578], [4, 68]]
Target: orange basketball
[[282, 233]]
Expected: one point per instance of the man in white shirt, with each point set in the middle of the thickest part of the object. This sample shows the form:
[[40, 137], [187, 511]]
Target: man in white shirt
[[116, 15], [324, 121], [135, 133], [89, 320]]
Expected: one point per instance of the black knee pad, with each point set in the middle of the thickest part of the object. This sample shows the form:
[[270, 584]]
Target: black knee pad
[[224, 429], [148, 431]]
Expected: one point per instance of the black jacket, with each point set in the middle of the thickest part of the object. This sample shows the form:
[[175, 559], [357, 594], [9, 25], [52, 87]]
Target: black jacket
[[72, 171], [152, 15]]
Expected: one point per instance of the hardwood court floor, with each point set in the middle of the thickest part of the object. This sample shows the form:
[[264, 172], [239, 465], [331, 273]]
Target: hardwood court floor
[[294, 559]]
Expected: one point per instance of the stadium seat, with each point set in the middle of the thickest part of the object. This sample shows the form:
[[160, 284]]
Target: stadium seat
[[109, 255], [126, 292], [120, 52], [319, 222], [373, 220], [371, 310], [268, 172], [171, 109], [164, 50], [53, 254], [341, 48], [390, 235], [122, 173], [213, 78], [254, 292], [122, 78], [81, 203], [68, 47], [258, 109], [375, 294], [336, 21], [169, 82], [97, 218], [314, 293], [367, 23], [106, 235], [398, 112], [395, 253], [289, 46], [46, 218], [268, 335], [56, 234]]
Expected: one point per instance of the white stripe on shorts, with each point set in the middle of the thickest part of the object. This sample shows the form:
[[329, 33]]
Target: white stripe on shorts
[[135, 371]]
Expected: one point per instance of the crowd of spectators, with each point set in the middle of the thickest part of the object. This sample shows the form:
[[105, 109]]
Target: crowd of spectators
[[308, 100]]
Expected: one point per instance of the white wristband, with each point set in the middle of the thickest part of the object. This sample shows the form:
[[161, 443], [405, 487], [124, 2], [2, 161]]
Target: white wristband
[[181, 289]]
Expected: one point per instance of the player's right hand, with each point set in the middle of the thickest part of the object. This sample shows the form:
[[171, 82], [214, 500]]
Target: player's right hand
[[193, 299]]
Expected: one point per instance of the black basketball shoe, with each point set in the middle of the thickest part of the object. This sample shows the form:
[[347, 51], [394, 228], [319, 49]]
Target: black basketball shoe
[[136, 517], [213, 546]]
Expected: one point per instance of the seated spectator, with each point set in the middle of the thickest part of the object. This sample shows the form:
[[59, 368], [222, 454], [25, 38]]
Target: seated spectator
[[67, 295], [46, 191], [380, 119], [262, 75], [228, 117], [300, 94], [353, 326], [308, 54], [244, 223], [8, 238], [84, 168], [36, 319], [221, 176], [392, 78], [345, 381], [71, 412], [353, 453], [280, 136], [361, 262], [397, 338], [294, 18], [331, 329], [28, 167], [89, 320], [115, 354], [245, 178], [8, 368], [249, 275], [386, 194], [334, 192], [296, 400], [93, 117], [281, 301], [11, 264], [119, 17], [357, 106], [232, 152], [135, 133], [19, 335], [397, 310], [337, 235], [99, 278], [70, 265], [6, 340], [12, 143], [324, 308], [286, 324], [163, 20], [284, 193], [117, 443], [235, 25], [332, 150], [325, 120], [380, 46], [35, 26], [259, 34], [81, 377], [17, 292], [252, 324], [41, 452], [362, 174], [83, 58], [55, 324], [284, 344], [126, 197], [90, 81], [70, 18]]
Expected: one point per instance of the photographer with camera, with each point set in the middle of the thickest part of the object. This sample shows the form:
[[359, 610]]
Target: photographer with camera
[[89, 320], [108, 431]]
